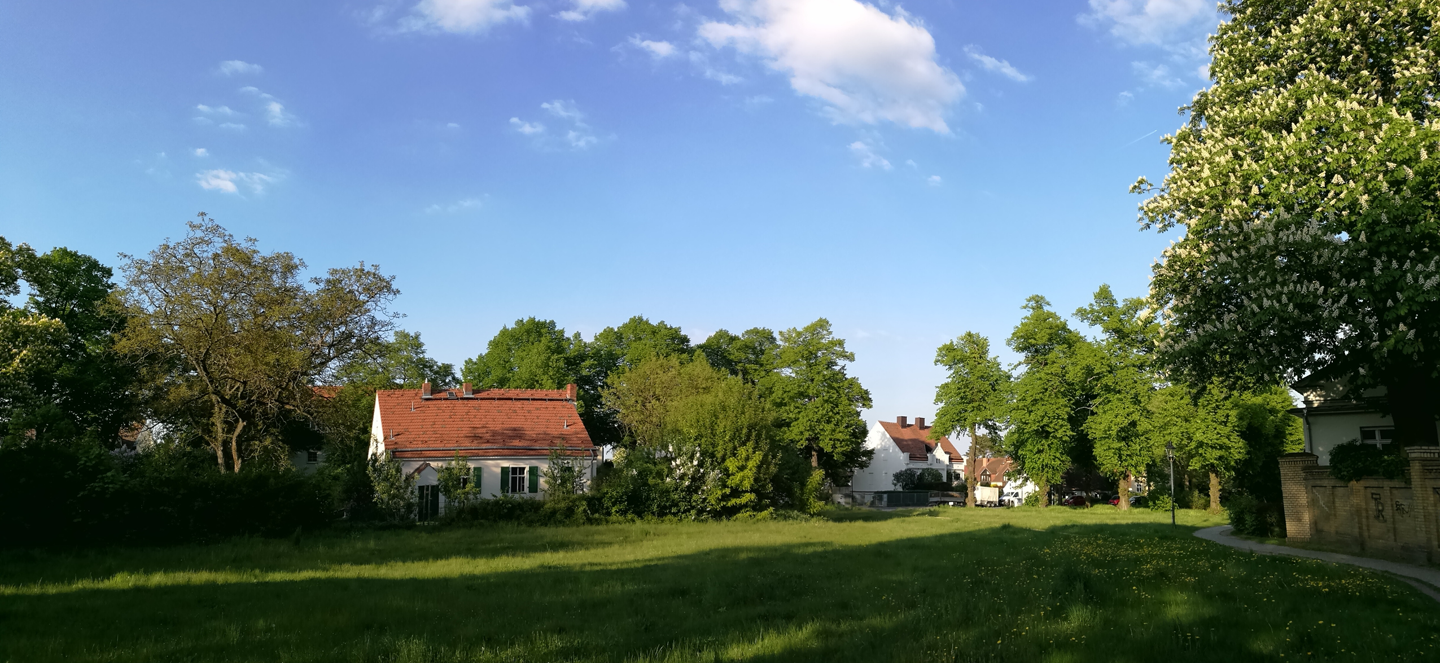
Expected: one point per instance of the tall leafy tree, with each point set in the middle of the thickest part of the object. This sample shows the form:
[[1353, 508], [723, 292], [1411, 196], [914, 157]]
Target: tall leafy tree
[[245, 336], [972, 399], [749, 356], [817, 402], [399, 363], [1306, 184], [1119, 379], [531, 354], [60, 375], [615, 350], [1045, 424]]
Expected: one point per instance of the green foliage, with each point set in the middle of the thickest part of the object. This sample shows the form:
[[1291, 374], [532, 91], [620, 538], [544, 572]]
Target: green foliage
[[1305, 183], [394, 491], [919, 479], [1120, 382], [171, 494], [749, 356], [1033, 499], [454, 481], [400, 363], [532, 354], [240, 339], [1253, 517], [1353, 461], [1044, 420], [60, 375], [817, 404]]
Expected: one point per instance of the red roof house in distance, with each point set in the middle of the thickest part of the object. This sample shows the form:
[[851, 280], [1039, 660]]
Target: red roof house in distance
[[901, 445], [504, 435]]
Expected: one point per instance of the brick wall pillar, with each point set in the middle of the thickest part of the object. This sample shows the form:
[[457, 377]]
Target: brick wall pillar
[[1427, 501], [1294, 495]]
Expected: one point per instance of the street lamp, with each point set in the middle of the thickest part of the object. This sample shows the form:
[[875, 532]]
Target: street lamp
[[1170, 453]]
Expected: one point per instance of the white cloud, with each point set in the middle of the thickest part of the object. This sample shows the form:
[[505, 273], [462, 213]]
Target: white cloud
[[452, 126], [1155, 74], [239, 68], [933, 180], [657, 49], [275, 113], [998, 66], [866, 65], [578, 137], [527, 128], [868, 157], [1125, 98], [462, 16], [218, 111], [229, 181], [232, 126], [911, 163], [1153, 22], [1203, 71], [201, 152], [457, 206], [584, 9]]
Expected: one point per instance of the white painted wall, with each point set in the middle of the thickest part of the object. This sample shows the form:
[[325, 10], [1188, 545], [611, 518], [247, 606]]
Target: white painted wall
[[888, 459], [490, 473], [1324, 431]]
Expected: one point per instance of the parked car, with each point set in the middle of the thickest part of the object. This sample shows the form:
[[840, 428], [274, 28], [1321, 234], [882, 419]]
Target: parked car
[[1115, 501], [1011, 498], [1077, 499]]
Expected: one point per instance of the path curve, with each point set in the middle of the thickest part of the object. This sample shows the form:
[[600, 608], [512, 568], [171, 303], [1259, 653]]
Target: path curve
[[1423, 578]]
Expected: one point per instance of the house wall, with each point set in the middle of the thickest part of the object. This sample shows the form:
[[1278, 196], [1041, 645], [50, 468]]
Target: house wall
[[1390, 517], [377, 432], [301, 461], [888, 459], [490, 473], [1325, 431]]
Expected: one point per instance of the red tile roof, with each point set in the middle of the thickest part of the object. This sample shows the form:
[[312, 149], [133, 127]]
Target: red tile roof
[[495, 422], [997, 466], [912, 439]]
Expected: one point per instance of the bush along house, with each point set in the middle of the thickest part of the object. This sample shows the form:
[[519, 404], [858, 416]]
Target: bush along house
[[504, 435]]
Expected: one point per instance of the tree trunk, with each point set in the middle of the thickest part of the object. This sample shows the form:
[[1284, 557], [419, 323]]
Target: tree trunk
[[1410, 392], [1214, 493], [971, 475], [1124, 491], [1044, 491], [235, 445], [814, 457]]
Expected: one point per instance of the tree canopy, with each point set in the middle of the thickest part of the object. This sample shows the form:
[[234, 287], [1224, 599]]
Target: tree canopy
[[1305, 183], [973, 398]]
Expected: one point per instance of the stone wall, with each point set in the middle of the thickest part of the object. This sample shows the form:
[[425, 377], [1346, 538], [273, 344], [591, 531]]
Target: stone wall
[[1394, 518]]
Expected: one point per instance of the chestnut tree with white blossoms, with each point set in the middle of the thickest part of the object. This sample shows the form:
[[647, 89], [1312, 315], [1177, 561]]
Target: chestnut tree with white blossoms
[[1306, 182]]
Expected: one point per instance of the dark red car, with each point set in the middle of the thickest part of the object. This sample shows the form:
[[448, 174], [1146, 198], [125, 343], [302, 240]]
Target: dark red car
[[1075, 500]]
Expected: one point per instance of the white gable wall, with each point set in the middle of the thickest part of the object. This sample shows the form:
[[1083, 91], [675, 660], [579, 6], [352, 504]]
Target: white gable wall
[[888, 459]]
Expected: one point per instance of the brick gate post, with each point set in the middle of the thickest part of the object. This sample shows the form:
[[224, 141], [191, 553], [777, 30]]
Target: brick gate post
[[1426, 495], [1295, 497]]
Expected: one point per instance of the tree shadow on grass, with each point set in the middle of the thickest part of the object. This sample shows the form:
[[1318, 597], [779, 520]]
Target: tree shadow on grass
[[1094, 592]]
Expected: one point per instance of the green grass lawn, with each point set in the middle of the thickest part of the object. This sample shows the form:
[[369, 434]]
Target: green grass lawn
[[935, 585]]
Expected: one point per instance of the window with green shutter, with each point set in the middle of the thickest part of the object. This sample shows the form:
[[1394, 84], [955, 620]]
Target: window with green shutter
[[534, 479], [475, 473], [504, 479]]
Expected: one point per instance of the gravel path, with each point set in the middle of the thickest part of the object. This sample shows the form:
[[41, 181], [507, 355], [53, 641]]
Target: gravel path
[[1423, 578]]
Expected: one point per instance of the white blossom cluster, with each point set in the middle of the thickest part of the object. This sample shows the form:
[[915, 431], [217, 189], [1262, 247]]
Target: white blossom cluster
[[1305, 187]]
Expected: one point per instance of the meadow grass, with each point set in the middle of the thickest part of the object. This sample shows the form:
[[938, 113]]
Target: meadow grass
[[928, 585]]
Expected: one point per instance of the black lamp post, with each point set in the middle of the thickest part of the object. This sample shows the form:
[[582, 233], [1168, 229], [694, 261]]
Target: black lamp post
[[1170, 454]]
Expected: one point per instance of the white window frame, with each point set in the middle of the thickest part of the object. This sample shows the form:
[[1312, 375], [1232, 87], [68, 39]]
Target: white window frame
[[1379, 440], [521, 474]]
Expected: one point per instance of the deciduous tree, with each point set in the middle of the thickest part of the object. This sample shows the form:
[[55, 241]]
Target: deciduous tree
[[1306, 183], [972, 399], [817, 402]]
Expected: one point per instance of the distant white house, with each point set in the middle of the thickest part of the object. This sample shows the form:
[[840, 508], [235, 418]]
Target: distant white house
[[504, 435], [1334, 413], [901, 445]]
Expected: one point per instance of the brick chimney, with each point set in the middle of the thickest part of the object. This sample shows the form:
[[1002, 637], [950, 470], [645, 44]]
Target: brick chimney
[[919, 422], [571, 392], [425, 391], [903, 421], [467, 391]]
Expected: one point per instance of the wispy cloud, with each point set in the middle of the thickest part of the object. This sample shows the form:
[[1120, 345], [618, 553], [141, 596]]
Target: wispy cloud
[[657, 49], [216, 111], [576, 136], [238, 68], [581, 10], [868, 157], [274, 111], [465, 205], [1153, 22], [1156, 74], [998, 66], [455, 16], [229, 181], [864, 64], [201, 152], [933, 180]]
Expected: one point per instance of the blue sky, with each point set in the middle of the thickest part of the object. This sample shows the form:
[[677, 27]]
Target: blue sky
[[909, 171]]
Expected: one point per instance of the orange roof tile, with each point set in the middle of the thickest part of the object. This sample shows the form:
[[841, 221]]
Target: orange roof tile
[[913, 439], [495, 422]]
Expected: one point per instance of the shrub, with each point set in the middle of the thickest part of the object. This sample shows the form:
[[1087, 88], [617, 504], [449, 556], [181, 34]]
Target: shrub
[[1033, 499], [1255, 517], [1158, 501], [502, 509], [1353, 460]]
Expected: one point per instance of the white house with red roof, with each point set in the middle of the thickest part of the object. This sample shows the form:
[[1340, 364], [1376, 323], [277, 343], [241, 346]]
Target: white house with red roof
[[901, 445], [504, 435]]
